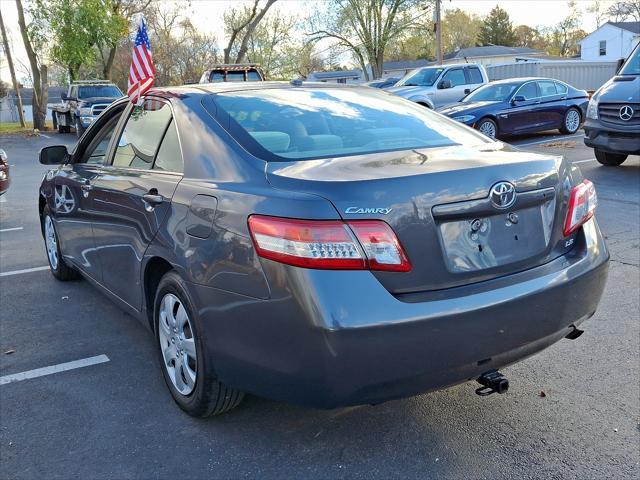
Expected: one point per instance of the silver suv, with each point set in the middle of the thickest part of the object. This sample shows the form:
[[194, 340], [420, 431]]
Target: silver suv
[[440, 85]]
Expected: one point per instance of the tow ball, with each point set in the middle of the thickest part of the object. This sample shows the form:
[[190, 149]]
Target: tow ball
[[492, 382]]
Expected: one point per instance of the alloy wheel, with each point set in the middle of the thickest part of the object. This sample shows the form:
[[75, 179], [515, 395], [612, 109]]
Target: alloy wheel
[[177, 343], [572, 122], [51, 242], [488, 128]]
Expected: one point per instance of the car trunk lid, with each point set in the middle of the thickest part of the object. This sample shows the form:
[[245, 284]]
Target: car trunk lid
[[438, 202]]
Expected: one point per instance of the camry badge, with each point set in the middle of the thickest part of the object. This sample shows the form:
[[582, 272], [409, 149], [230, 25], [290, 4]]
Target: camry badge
[[626, 113], [364, 211], [503, 195]]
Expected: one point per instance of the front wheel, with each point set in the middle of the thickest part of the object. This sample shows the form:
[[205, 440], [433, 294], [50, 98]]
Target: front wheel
[[185, 363], [58, 266], [571, 121], [610, 159], [488, 127]]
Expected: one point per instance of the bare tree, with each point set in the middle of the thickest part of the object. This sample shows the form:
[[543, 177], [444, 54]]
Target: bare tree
[[38, 73], [240, 24], [366, 27], [625, 10], [16, 87]]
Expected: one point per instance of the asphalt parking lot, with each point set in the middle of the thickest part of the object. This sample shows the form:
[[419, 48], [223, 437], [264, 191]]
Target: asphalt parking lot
[[573, 411]]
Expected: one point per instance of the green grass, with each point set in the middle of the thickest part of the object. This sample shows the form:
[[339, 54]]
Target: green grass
[[14, 127]]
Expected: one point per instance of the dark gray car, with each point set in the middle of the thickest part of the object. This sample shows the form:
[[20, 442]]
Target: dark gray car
[[322, 245]]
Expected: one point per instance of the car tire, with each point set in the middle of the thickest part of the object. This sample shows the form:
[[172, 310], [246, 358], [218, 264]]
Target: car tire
[[57, 265], [177, 337], [610, 159], [487, 127], [571, 121], [79, 128]]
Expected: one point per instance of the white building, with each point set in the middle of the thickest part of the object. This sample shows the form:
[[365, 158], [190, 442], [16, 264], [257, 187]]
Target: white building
[[610, 42]]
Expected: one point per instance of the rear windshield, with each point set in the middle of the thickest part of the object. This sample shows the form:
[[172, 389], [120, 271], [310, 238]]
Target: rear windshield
[[301, 123]]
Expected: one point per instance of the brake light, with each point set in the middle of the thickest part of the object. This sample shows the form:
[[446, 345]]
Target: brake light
[[328, 244], [582, 205]]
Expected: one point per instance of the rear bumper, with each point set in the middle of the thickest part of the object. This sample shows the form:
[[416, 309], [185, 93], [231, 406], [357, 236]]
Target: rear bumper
[[329, 339], [610, 138]]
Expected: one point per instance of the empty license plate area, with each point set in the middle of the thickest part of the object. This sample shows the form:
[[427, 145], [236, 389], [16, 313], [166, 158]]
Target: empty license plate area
[[483, 242]]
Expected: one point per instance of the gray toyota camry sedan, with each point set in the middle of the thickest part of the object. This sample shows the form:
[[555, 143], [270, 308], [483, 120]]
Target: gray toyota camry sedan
[[322, 245]]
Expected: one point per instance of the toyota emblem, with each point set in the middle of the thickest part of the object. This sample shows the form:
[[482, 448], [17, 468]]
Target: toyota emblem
[[626, 113], [503, 195]]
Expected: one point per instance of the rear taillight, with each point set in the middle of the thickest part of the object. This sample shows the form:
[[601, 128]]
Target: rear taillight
[[328, 244], [582, 205]]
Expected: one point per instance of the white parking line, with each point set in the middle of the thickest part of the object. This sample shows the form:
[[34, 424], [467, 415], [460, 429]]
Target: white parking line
[[61, 367], [585, 161], [26, 270], [45, 136], [3, 199], [10, 229], [549, 140]]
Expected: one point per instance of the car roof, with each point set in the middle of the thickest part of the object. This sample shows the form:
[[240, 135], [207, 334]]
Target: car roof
[[523, 80], [224, 87]]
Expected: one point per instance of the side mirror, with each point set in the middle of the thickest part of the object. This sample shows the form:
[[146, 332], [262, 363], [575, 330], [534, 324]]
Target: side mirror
[[54, 155], [444, 84], [467, 91], [619, 64], [518, 99], [64, 97]]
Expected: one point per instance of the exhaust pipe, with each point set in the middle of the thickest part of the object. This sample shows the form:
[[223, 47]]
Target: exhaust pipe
[[492, 382], [575, 333]]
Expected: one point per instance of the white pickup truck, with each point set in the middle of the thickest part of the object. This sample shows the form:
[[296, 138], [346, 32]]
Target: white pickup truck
[[440, 85]]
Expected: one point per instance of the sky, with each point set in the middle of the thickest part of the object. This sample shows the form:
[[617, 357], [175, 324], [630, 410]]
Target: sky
[[207, 16]]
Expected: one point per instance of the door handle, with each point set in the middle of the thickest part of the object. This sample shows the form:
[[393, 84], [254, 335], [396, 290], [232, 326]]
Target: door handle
[[153, 198]]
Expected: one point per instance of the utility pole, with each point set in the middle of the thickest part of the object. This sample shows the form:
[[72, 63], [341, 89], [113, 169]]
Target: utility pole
[[12, 71], [438, 25]]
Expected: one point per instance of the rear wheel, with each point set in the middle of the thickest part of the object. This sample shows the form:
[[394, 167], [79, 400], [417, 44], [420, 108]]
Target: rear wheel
[[185, 363], [56, 123], [488, 127], [610, 159], [571, 121], [58, 266]]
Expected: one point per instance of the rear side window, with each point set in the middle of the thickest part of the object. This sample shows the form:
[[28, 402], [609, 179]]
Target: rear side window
[[547, 88], [140, 139], [169, 156], [456, 76], [253, 76], [561, 88], [305, 123], [475, 75]]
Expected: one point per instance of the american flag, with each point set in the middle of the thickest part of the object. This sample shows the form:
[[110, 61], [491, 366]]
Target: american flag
[[142, 72]]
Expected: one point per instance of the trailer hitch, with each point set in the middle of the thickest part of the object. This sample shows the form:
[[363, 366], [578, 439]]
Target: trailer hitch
[[492, 382]]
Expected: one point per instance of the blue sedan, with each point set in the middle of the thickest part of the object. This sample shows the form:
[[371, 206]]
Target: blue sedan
[[523, 105]]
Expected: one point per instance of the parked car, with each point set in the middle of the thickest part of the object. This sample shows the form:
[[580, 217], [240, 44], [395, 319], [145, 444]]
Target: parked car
[[383, 83], [319, 244], [243, 72], [82, 104], [436, 86], [612, 127], [521, 105], [5, 180]]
